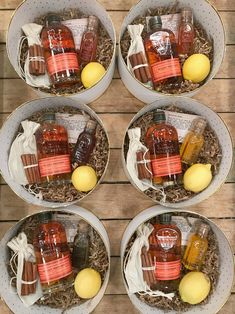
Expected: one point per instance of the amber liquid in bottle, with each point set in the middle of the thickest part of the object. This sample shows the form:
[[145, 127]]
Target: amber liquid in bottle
[[161, 50], [193, 142], [85, 144], [52, 255], [162, 141], [89, 42], [186, 32], [59, 51], [165, 250], [196, 248], [53, 151]]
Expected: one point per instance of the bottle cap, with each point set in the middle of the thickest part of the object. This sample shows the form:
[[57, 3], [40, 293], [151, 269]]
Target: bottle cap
[[91, 124], [159, 116], [155, 22], [48, 116], [52, 18], [187, 14], [203, 230], [198, 125], [83, 226], [165, 219], [93, 22], [45, 216]]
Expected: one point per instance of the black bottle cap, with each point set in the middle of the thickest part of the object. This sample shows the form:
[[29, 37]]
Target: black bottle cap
[[48, 116], [45, 216], [159, 116], [165, 219], [52, 18], [155, 22]]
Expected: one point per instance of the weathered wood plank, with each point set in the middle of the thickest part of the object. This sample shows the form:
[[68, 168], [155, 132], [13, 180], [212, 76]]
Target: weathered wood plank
[[124, 5], [120, 201], [117, 17]]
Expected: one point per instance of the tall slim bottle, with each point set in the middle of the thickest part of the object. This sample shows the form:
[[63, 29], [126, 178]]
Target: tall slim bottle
[[162, 142], [161, 50], [186, 32]]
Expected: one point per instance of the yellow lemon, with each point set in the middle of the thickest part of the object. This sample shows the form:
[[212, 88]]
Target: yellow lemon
[[87, 283], [196, 68], [197, 177], [194, 287], [84, 178], [92, 73]]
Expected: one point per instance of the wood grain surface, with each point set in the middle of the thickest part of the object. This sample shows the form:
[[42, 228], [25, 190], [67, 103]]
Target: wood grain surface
[[116, 201]]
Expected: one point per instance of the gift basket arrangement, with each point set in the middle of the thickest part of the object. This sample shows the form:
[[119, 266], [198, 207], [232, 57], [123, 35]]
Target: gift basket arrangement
[[62, 51], [168, 48], [175, 262], [178, 152], [55, 261], [55, 151]]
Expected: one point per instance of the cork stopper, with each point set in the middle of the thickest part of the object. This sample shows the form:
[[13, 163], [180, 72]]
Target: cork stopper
[[198, 125], [93, 22], [203, 230]]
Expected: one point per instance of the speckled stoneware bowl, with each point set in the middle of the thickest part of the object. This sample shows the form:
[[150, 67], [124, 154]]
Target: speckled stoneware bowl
[[8, 133], [219, 127], [28, 10], [226, 276], [13, 301], [204, 13]]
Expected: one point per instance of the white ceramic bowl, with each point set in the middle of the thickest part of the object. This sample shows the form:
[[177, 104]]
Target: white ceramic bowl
[[226, 276], [13, 301], [28, 10], [219, 128], [9, 131], [204, 13]]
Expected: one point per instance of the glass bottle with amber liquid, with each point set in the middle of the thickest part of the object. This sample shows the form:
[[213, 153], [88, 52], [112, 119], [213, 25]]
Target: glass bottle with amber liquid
[[59, 51], [165, 250], [85, 144], [196, 248], [161, 50], [186, 32], [193, 142], [52, 255], [162, 141], [53, 150], [89, 42]]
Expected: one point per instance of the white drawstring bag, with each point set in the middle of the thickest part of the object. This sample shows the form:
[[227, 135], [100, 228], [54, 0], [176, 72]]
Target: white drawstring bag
[[23, 252], [32, 32], [24, 143]]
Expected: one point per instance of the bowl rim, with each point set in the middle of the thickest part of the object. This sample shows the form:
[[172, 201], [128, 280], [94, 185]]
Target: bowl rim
[[89, 111], [156, 210], [144, 110], [48, 94], [184, 94]]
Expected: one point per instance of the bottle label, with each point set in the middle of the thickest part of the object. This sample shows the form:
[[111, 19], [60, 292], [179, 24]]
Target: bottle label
[[166, 166], [54, 165], [55, 270], [62, 62], [87, 48], [165, 69], [167, 270]]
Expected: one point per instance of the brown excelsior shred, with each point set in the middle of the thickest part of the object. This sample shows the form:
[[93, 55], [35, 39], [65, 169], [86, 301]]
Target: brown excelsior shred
[[202, 44], [210, 266], [99, 158], [211, 153]]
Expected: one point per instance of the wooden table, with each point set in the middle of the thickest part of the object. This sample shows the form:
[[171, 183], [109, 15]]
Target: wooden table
[[115, 201]]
